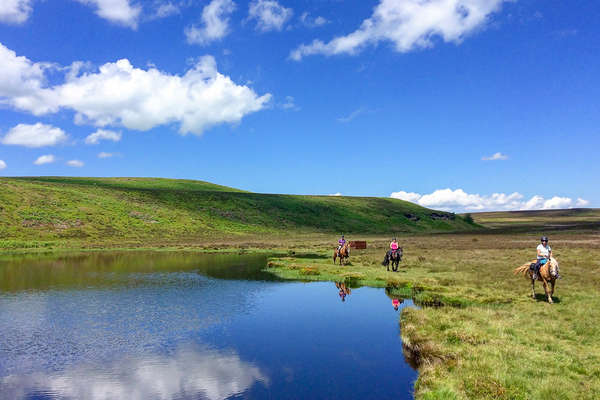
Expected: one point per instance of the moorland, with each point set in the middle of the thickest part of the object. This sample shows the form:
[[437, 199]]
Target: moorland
[[476, 333]]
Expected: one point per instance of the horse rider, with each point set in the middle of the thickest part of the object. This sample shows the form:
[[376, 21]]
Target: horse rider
[[341, 244], [393, 246], [544, 253]]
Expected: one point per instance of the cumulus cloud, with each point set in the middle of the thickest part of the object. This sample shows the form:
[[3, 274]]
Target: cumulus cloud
[[269, 15], [312, 22], [335, 194], [103, 134], [581, 202], [408, 25], [22, 83], [37, 135], [75, 163], [215, 23], [495, 156], [120, 12], [119, 94], [459, 200], [2, 164], [45, 159], [15, 11]]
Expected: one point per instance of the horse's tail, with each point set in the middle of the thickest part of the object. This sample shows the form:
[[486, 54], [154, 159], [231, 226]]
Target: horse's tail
[[522, 269]]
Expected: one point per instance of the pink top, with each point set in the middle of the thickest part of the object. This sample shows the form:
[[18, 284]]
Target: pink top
[[394, 246], [395, 302]]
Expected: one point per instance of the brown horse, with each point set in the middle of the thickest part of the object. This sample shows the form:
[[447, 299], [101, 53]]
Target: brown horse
[[548, 275], [342, 254]]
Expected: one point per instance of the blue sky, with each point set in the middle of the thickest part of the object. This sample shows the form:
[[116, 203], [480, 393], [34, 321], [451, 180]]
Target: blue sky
[[453, 104]]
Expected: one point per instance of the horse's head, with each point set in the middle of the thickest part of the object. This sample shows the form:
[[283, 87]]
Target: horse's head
[[553, 267]]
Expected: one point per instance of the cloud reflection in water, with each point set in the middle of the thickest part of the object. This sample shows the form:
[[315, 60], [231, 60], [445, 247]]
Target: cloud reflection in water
[[191, 372]]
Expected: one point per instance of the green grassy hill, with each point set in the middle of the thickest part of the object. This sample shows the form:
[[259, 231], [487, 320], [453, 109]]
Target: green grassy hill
[[101, 210], [536, 220]]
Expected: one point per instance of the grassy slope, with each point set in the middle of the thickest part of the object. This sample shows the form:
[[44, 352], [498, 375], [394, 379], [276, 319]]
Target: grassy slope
[[569, 219], [489, 339], [106, 211]]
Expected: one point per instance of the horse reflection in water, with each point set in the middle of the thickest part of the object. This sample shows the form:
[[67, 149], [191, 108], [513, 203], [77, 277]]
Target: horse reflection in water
[[344, 290], [396, 301]]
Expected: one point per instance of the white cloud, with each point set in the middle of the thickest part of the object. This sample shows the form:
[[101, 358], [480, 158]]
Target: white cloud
[[107, 155], [75, 163], [408, 24], [215, 23], [459, 200], [352, 115], [407, 196], [121, 12], [38, 135], [557, 202], [122, 95], [45, 159], [581, 202], [22, 83], [335, 194], [312, 22], [2, 164], [269, 15], [495, 156], [166, 10], [15, 11], [290, 104], [102, 134]]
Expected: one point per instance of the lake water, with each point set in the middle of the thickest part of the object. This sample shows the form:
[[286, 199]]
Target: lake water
[[185, 326]]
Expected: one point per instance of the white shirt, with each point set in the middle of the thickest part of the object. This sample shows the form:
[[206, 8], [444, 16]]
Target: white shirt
[[544, 251]]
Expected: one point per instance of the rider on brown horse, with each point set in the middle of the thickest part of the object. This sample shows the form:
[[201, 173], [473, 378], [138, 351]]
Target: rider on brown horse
[[544, 254], [341, 244]]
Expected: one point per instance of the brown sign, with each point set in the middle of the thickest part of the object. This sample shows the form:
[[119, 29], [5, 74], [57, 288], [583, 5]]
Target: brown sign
[[358, 244]]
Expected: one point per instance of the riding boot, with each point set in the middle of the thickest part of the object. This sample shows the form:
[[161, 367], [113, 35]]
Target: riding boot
[[532, 269], [536, 269]]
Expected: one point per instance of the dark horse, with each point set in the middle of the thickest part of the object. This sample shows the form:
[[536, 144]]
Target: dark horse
[[343, 253], [395, 257]]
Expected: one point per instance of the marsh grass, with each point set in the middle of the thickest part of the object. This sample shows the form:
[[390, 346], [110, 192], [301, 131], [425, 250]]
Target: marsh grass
[[478, 334]]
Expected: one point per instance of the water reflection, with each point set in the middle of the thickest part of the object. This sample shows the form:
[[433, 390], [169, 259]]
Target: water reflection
[[191, 372], [343, 290], [396, 301], [187, 326], [101, 270]]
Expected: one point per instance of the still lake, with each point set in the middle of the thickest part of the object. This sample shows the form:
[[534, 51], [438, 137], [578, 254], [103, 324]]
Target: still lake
[[163, 325]]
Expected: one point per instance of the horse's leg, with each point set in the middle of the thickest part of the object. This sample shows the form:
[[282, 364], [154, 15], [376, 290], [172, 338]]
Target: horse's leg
[[533, 288], [547, 291], [552, 287]]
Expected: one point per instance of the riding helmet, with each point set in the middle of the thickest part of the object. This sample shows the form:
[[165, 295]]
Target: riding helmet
[[544, 238]]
